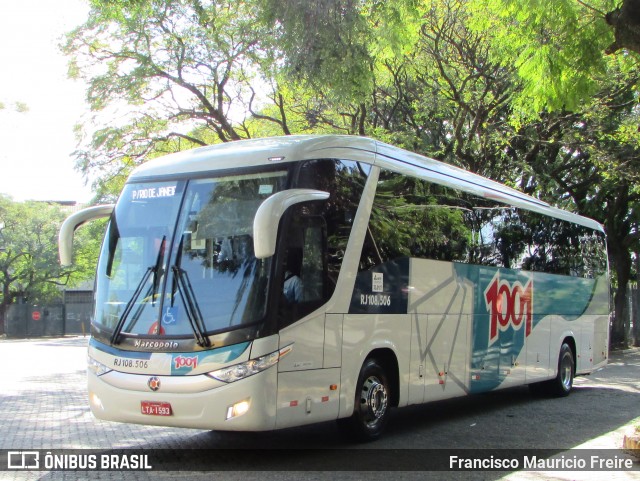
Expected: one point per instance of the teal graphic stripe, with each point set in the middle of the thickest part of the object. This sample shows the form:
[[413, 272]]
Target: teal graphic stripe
[[492, 358]]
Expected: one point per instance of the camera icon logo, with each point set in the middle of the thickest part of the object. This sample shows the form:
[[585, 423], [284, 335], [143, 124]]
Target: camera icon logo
[[23, 460]]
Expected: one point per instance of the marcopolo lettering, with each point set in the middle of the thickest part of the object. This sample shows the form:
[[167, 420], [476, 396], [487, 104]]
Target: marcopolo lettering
[[155, 344]]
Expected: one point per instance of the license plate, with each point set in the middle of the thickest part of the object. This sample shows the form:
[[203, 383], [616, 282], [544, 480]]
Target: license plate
[[156, 408]]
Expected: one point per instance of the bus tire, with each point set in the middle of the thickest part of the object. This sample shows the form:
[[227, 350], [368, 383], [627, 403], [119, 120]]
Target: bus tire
[[563, 383], [372, 404]]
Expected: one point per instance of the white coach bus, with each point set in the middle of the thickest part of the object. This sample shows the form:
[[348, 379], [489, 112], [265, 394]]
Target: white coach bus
[[270, 283]]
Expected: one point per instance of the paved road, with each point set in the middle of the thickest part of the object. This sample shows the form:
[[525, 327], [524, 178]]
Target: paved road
[[43, 406]]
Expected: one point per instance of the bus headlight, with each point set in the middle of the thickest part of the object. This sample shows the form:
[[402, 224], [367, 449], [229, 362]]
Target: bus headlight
[[250, 367], [97, 367]]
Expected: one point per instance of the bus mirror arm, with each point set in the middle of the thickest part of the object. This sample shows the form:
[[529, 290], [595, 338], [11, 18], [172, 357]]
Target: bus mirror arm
[[267, 218], [71, 223]]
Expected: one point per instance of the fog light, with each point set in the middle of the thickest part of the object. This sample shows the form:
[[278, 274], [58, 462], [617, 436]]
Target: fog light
[[95, 401], [238, 409]]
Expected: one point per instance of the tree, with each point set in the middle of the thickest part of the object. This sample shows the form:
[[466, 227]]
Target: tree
[[29, 267], [322, 42], [575, 108], [177, 74], [560, 48], [522, 92], [625, 21]]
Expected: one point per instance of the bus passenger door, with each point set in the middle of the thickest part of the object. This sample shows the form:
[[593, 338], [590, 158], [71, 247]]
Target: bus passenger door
[[307, 376]]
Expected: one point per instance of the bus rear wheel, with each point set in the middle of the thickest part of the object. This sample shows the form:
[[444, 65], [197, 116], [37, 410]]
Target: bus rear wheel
[[562, 384], [372, 404]]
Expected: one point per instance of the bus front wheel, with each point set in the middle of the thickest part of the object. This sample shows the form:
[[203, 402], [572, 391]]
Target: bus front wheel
[[372, 404]]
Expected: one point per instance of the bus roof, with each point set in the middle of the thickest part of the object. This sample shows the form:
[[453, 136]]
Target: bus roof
[[273, 150]]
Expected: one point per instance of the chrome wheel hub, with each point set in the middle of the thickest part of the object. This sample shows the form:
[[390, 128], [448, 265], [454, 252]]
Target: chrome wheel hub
[[374, 399], [565, 374]]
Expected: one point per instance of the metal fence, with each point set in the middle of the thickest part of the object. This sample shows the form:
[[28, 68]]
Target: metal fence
[[71, 316]]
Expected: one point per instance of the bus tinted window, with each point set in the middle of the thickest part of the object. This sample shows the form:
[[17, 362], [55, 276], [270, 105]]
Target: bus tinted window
[[344, 180], [318, 232], [414, 218], [136, 240], [530, 241]]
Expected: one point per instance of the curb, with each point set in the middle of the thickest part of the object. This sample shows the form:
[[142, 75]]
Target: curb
[[631, 445]]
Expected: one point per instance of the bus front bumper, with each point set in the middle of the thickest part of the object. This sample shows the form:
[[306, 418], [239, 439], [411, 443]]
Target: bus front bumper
[[245, 405]]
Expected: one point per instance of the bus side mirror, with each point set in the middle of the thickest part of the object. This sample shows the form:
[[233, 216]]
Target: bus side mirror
[[71, 223], [267, 218]]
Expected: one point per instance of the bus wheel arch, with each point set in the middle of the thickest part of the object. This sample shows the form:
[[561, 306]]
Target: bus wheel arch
[[389, 362], [377, 391], [562, 384]]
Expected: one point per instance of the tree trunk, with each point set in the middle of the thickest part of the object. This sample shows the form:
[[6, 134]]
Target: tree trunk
[[6, 300], [635, 303], [625, 21], [621, 262]]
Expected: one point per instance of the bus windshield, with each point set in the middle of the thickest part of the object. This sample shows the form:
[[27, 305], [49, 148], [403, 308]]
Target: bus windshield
[[178, 258]]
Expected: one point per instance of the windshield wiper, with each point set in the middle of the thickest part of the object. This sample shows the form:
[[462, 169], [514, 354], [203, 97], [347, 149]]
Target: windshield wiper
[[191, 306], [155, 270], [130, 303], [181, 284]]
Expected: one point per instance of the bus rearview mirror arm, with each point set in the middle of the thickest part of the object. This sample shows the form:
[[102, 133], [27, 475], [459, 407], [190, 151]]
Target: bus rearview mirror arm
[[267, 218], [71, 223]]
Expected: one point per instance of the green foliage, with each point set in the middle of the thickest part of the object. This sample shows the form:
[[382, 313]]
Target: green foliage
[[336, 46], [29, 267], [519, 91], [165, 73], [21, 107], [556, 47], [322, 41]]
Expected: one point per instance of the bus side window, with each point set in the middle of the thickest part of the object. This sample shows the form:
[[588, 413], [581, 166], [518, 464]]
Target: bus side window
[[321, 230], [313, 271], [344, 180], [305, 269]]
